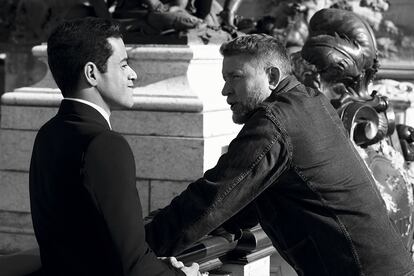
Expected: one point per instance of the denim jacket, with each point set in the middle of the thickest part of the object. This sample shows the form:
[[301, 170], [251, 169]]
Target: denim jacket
[[311, 192]]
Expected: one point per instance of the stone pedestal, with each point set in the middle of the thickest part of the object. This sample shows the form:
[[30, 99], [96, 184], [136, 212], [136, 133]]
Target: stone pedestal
[[178, 128]]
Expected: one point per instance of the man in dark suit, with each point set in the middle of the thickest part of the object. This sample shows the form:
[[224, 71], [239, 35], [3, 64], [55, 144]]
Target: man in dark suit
[[85, 207]]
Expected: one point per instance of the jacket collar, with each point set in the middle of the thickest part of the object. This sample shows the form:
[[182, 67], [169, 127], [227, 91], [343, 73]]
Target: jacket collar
[[285, 85], [82, 112]]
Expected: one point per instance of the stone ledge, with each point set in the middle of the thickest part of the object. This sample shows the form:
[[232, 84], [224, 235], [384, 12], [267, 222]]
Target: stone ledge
[[13, 243], [397, 70], [160, 51], [16, 232], [51, 97], [16, 222]]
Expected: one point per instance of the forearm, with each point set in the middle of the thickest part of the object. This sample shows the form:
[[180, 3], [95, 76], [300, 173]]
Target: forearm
[[254, 161]]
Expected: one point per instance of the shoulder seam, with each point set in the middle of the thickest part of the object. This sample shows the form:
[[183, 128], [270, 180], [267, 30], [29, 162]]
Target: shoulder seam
[[269, 114]]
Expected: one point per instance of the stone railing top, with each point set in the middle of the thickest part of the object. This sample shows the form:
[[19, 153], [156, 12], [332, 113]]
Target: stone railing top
[[159, 52], [396, 70], [213, 251]]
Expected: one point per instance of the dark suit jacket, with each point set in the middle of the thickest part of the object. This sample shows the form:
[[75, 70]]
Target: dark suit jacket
[[85, 207]]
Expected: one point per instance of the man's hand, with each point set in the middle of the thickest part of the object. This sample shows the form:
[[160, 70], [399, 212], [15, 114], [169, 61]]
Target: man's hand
[[172, 261], [192, 270]]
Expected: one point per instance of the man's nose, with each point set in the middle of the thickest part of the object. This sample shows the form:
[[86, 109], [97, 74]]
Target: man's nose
[[226, 89], [132, 75]]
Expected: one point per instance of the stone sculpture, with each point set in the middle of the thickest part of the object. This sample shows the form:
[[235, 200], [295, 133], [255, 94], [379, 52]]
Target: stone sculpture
[[341, 56], [147, 21]]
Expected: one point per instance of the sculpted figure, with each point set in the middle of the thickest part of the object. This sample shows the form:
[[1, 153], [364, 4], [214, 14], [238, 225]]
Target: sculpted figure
[[155, 16], [342, 56]]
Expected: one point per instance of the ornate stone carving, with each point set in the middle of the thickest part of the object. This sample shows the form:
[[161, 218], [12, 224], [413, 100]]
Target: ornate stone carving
[[342, 60]]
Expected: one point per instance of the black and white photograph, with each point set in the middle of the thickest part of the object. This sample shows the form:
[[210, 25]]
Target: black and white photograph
[[206, 137]]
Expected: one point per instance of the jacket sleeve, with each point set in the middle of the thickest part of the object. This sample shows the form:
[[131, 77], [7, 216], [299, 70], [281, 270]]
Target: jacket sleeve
[[109, 171], [245, 219], [255, 159]]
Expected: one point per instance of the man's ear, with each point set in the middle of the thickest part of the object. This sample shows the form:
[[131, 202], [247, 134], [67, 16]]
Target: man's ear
[[91, 72], [273, 74]]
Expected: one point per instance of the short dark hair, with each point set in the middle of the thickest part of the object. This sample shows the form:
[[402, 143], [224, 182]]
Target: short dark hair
[[263, 47], [74, 43]]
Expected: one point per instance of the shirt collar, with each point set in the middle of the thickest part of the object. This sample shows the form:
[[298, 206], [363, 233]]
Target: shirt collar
[[94, 106]]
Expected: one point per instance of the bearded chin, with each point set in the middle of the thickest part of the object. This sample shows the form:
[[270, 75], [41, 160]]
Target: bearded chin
[[241, 118], [242, 115]]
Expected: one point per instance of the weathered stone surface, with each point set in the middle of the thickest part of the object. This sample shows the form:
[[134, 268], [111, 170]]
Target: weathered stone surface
[[260, 267], [16, 232], [22, 68], [25, 117], [279, 267], [16, 222], [32, 96], [218, 123], [214, 147], [162, 192], [167, 157], [12, 242], [14, 191], [180, 124], [16, 149], [143, 187], [158, 123], [206, 80], [409, 117]]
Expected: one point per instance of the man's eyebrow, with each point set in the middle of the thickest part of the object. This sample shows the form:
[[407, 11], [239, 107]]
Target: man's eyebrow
[[232, 72], [124, 60]]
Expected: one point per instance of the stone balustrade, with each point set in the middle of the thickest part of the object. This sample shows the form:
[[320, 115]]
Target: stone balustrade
[[250, 255]]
